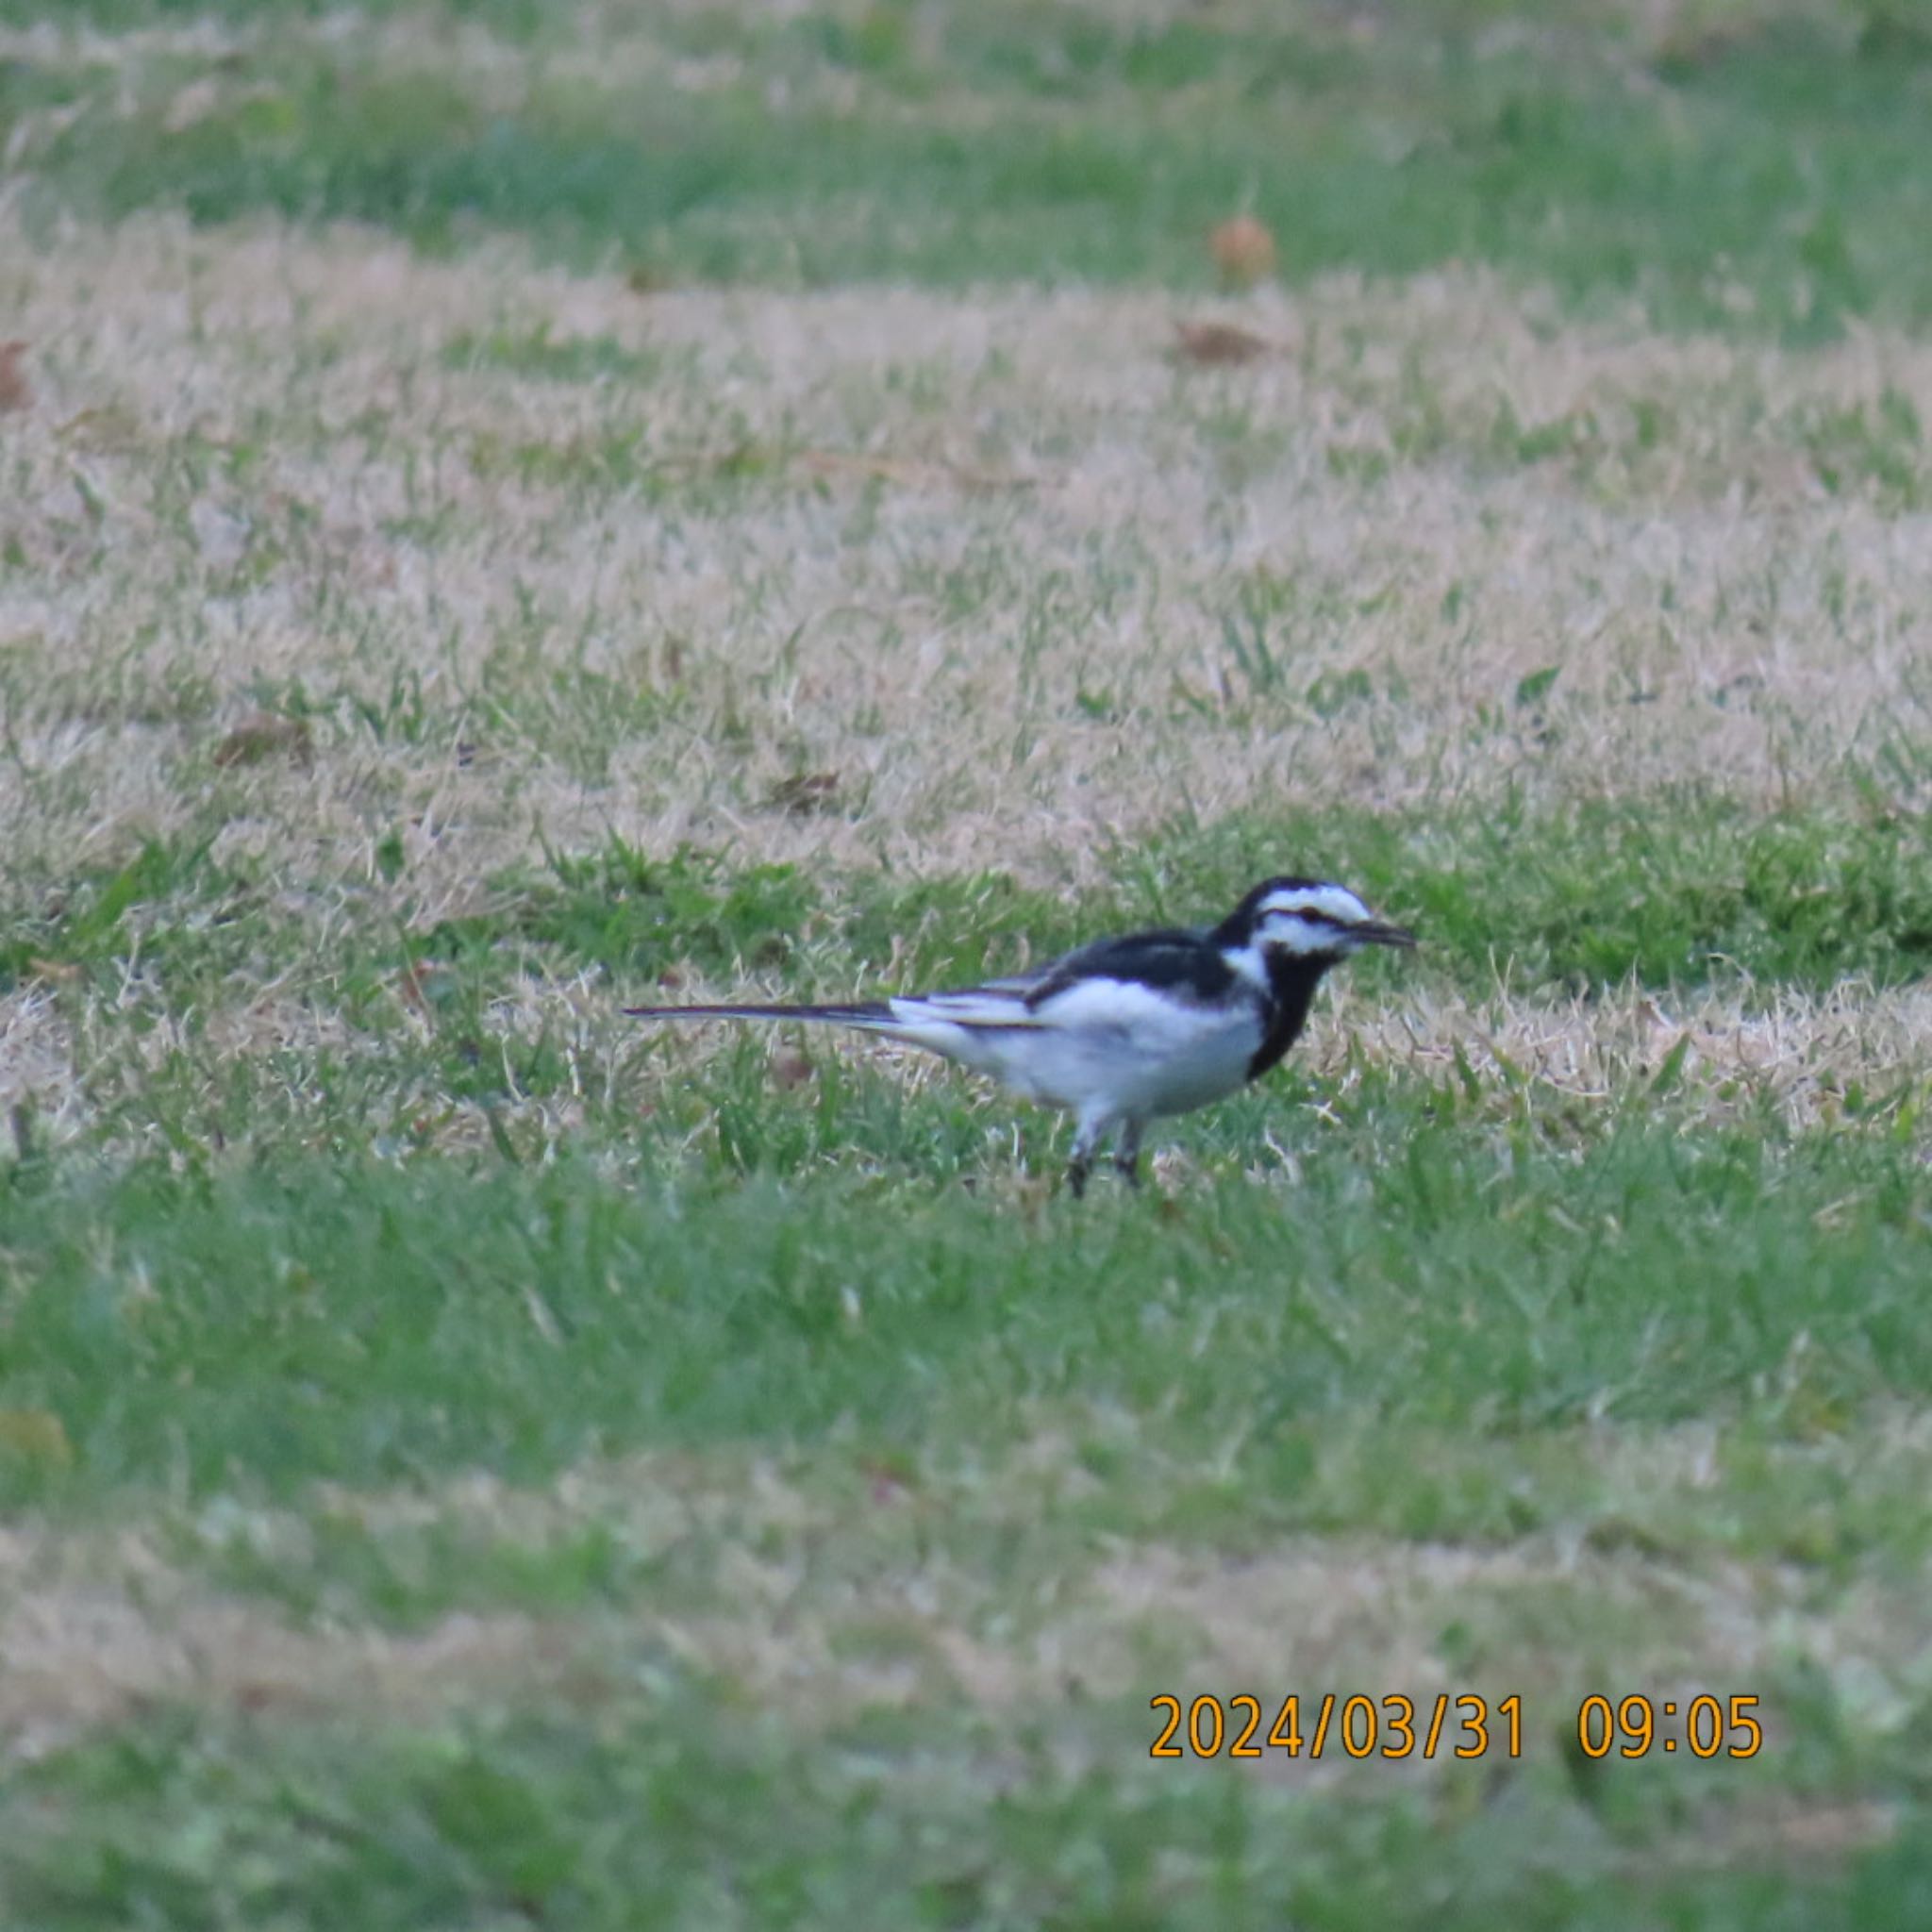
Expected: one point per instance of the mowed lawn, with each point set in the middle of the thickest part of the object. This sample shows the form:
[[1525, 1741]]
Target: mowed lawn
[[510, 510]]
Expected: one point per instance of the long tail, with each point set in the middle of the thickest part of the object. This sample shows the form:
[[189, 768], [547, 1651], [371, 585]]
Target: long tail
[[864, 1014]]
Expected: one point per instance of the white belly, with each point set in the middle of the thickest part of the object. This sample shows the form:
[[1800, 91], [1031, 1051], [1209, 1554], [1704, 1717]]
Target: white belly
[[1108, 1046]]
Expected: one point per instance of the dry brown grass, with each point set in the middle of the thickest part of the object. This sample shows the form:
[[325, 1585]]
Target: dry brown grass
[[786, 554], [1789, 1059], [255, 460], [819, 1604]]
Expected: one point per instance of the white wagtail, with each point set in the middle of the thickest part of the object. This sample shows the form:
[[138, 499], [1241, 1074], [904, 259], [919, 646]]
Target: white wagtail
[[1122, 1029]]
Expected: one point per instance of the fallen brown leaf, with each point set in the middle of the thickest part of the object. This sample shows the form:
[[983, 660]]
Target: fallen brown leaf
[[1220, 344], [806, 793], [409, 984], [16, 392], [423, 983], [886, 1483], [1243, 250], [260, 735]]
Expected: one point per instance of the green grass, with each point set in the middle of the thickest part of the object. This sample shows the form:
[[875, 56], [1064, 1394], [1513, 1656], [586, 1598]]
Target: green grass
[[1425, 1350], [675, 1810], [289, 1342], [1673, 890], [372, 1327], [1677, 892], [1755, 181], [1649, 1273]]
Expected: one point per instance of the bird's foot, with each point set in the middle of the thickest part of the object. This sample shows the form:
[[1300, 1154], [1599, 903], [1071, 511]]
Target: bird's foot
[[1128, 1167], [1078, 1169]]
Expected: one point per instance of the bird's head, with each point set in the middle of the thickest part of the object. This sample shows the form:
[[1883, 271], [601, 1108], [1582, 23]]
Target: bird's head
[[1307, 919]]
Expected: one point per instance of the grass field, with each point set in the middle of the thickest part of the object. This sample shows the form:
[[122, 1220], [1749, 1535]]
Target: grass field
[[510, 509]]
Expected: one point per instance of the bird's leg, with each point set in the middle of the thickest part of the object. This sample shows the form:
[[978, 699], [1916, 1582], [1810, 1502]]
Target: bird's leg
[[1126, 1152], [1080, 1163]]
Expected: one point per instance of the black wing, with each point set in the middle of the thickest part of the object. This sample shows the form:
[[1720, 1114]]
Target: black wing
[[1171, 960]]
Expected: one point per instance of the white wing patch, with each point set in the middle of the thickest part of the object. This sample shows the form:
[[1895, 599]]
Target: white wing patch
[[996, 1005]]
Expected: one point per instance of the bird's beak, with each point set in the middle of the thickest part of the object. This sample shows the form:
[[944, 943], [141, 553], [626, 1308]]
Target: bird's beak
[[1374, 932]]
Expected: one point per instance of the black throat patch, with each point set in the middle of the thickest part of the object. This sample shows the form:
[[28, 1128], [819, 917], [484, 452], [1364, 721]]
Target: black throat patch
[[1291, 984]]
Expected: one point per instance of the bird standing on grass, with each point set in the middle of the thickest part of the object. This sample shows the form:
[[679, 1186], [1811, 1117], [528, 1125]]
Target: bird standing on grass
[[1123, 1029]]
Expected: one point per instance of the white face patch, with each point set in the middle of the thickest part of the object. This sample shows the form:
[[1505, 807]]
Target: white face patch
[[1290, 932], [1309, 922]]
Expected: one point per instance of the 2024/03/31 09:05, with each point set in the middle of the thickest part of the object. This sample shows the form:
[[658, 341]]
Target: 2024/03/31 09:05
[[1395, 1726]]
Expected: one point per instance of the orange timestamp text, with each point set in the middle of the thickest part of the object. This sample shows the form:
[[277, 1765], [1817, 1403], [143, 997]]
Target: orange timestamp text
[[1703, 1726], [1332, 1725]]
